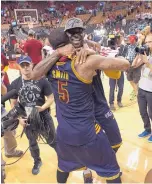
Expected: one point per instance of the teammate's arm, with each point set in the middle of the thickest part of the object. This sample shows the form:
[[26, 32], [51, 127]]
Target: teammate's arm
[[107, 63], [96, 61], [114, 74], [46, 64]]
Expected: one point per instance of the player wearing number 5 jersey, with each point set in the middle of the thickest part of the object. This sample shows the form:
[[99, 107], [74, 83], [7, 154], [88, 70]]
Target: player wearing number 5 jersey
[[81, 142], [74, 104]]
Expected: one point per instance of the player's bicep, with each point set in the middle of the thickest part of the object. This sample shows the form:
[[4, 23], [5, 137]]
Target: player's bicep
[[107, 63]]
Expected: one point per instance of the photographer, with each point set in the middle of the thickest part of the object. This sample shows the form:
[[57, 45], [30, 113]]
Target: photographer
[[10, 142], [145, 89], [32, 94], [133, 74]]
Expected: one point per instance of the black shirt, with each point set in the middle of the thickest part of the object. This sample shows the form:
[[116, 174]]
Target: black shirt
[[123, 50], [30, 92]]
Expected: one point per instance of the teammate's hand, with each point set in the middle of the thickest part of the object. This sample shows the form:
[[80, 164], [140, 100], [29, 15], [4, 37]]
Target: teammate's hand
[[66, 50], [83, 53]]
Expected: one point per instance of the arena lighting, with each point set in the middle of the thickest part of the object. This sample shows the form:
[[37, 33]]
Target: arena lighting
[[103, 32], [97, 32]]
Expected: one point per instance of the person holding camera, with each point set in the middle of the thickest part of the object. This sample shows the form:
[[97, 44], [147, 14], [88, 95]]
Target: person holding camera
[[133, 74], [145, 90], [32, 94], [10, 142]]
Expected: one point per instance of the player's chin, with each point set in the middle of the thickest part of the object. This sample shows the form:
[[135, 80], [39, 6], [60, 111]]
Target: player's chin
[[78, 45]]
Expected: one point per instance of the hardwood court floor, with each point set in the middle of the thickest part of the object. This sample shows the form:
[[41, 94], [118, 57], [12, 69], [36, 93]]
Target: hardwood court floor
[[134, 156]]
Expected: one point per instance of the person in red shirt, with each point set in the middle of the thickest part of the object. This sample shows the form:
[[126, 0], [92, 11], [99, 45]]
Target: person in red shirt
[[33, 48], [4, 63]]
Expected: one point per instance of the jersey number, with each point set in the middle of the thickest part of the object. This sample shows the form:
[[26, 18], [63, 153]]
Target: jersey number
[[63, 93]]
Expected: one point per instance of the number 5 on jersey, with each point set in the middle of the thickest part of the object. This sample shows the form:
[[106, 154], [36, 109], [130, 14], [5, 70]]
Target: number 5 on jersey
[[63, 93]]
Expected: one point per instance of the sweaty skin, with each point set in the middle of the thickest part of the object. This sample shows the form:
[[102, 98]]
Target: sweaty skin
[[94, 62]]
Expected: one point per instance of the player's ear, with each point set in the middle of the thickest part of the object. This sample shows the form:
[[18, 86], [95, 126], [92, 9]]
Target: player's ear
[[67, 33]]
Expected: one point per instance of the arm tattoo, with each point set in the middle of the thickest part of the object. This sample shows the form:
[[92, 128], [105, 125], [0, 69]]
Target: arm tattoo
[[44, 66]]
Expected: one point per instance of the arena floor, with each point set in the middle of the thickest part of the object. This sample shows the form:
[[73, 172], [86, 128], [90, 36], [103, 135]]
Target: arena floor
[[134, 156]]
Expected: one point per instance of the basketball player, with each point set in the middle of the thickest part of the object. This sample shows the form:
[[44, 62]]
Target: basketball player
[[77, 131], [102, 111]]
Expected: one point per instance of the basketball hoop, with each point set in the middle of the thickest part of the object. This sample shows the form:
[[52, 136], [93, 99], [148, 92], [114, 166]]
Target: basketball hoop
[[27, 16]]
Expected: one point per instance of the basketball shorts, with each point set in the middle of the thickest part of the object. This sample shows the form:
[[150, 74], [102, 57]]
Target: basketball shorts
[[96, 155], [110, 126]]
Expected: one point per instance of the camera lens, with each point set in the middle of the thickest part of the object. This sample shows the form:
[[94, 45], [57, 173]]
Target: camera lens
[[142, 50]]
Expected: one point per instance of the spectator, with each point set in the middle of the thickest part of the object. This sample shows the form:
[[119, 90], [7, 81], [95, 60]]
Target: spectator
[[4, 63], [33, 48], [133, 74], [145, 91], [10, 143], [124, 23], [117, 82]]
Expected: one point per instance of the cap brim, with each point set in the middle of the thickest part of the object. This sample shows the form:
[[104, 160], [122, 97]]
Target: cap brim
[[75, 27], [24, 62]]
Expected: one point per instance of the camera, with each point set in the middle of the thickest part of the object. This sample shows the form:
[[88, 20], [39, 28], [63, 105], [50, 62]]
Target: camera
[[10, 120], [142, 50], [113, 40]]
